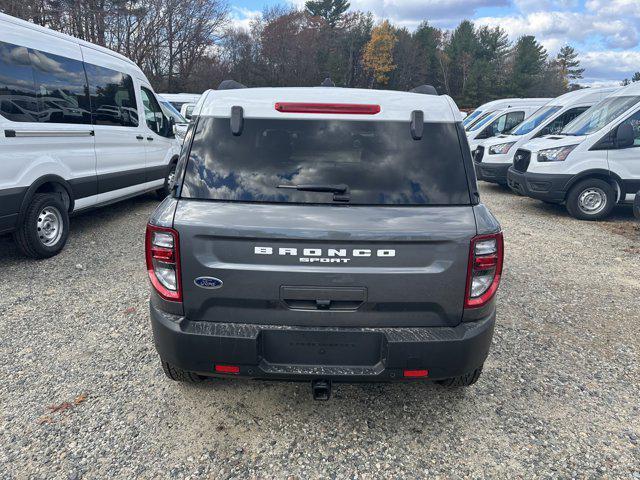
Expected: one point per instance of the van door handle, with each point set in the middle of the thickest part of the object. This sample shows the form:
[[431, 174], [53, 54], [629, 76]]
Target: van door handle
[[139, 137], [150, 139]]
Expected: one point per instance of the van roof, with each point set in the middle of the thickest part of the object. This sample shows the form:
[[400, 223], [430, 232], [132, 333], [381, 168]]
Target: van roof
[[585, 95], [64, 36], [629, 90], [177, 97], [508, 102], [394, 105]]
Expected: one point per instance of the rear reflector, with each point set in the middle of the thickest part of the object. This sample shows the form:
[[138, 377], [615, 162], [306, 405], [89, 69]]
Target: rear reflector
[[334, 108], [227, 369], [415, 373]]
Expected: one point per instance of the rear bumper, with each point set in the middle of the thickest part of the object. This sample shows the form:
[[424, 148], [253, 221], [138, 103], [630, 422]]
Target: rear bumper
[[307, 353], [492, 172], [547, 187]]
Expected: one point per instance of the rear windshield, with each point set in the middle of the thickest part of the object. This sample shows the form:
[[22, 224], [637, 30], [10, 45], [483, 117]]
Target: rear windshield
[[378, 161]]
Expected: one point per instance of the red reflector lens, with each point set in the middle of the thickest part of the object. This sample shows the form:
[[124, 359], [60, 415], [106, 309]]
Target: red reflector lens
[[486, 262], [416, 373], [227, 369], [162, 254], [335, 108]]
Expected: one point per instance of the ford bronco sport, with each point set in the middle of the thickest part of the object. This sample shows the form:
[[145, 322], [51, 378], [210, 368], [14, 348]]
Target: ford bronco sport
[[324, 234]]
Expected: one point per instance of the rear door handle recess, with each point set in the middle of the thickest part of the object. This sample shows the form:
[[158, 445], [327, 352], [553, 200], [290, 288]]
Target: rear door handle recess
[[323, 298], [139, 137], [150, 139]]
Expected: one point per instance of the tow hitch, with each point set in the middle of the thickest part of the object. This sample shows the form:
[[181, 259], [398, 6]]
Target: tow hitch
[[321, 389]]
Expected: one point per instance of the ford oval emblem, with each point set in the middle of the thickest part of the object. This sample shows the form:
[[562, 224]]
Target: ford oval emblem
[[209, 283]]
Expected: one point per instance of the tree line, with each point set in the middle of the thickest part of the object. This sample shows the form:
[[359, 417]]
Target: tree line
[[191, 45]]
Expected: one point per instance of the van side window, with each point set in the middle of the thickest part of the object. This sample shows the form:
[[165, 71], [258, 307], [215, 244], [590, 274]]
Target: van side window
[[634, 120], [113, 98], [153, 115], [559, 123], [17, 86], [61, 85]]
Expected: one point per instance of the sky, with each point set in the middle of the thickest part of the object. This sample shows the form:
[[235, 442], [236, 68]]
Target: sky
[[606, 33]]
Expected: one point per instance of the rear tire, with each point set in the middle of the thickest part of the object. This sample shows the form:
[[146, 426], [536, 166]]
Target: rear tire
[[591, 199], [44, 230], [465, 380], [178, 375], [168, 180]]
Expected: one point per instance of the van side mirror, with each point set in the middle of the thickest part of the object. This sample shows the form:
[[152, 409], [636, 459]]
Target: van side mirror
[[625, 136], [170, 130]]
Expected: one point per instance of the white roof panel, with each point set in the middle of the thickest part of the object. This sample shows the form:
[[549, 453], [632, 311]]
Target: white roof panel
[[260, 103]]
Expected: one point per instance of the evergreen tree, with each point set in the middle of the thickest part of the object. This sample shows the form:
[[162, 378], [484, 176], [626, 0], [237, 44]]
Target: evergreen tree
[[636, 77], [462, 51], [568, 64], [331, 10], [427, 41], [529, 66]]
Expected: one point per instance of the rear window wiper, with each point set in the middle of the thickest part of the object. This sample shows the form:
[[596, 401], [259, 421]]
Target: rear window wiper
[[340, 191]]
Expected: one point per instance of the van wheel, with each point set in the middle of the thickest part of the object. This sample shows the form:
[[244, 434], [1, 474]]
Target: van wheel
[[465, 380], [591, 199], [179, 375], [168, 180], [45, 228]]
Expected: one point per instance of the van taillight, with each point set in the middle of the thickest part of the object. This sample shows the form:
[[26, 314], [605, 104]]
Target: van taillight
[[485, 269], [331, 108], [163, 261]]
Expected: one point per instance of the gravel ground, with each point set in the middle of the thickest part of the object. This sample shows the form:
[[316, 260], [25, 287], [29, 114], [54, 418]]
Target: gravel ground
[[82, 394]]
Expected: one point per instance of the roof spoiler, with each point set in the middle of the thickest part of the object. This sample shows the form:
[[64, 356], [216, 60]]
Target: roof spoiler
[[425, 90], [230, 85]]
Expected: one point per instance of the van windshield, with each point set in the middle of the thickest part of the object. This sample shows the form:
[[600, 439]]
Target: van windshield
[[600, 115], [536, 120], [471, 117], [484, 121], [479, 121], [170, 111], [379, 162]]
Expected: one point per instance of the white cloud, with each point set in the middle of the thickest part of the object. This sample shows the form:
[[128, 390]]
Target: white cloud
[[242, 17], [410, 13], [604, 65]]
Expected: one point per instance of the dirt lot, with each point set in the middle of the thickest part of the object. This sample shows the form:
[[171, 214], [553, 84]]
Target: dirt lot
[[82, 394]]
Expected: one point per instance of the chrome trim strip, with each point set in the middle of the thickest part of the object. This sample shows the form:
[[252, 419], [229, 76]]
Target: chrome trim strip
[[49, 133]]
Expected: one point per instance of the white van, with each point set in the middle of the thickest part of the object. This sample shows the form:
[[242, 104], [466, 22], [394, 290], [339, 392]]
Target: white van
[[178, 100], [488, 108], [494, 156], [500, 122], [591, 165], [80, 127]]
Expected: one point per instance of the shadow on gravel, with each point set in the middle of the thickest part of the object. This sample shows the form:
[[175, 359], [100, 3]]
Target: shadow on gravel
[[87, 222]]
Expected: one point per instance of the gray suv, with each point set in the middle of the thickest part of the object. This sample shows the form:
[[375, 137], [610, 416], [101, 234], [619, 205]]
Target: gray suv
[[324, 234]]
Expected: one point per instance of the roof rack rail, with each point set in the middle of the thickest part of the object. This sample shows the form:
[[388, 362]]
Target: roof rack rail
[[425, 90], [230, 85], [328, 83]]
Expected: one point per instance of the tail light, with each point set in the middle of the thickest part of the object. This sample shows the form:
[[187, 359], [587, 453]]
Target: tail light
[[163, 262], [485, 269]]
